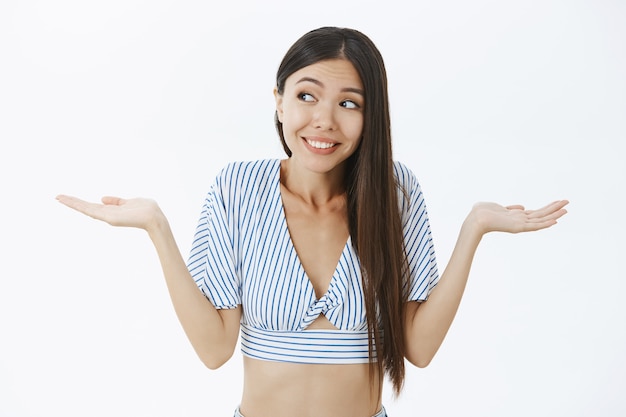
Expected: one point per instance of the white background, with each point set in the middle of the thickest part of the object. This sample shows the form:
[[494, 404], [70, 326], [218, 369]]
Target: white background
[[514, 102]]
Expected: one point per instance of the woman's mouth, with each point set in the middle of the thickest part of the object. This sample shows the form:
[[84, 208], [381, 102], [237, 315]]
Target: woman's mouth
[[319, 144]]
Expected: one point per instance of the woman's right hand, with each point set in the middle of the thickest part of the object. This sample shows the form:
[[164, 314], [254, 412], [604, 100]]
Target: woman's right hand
[[142, 213]]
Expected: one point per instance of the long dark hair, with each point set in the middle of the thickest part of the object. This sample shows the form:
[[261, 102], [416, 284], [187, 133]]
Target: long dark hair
[[374, 218]]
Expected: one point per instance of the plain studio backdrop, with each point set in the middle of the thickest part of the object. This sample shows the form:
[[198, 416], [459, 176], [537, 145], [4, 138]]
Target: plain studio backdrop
[[513, 102]]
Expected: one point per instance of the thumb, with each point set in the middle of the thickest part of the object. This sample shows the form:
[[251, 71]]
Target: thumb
[[115, 201]]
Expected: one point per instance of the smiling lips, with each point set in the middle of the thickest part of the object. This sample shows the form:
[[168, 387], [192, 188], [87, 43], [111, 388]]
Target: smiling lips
[[320, 145]]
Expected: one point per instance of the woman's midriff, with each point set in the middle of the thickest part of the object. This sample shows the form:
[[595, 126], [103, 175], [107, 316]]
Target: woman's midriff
[[283, 389]]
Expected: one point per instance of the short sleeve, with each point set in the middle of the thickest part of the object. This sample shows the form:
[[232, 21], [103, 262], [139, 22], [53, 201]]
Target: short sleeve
[[423, 272], [212, 262]]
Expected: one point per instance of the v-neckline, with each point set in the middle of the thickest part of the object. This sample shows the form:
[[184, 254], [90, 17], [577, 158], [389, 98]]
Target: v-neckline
[[292, 246]]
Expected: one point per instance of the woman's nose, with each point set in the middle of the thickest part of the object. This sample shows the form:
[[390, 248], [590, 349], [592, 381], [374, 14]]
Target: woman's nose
[[324, 117]]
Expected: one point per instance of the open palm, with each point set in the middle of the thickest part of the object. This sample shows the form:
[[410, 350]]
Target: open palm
[[515, 219], [134, 212]]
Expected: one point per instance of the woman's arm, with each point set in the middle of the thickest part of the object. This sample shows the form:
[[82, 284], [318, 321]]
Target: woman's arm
[[213, 333], [427, 323]]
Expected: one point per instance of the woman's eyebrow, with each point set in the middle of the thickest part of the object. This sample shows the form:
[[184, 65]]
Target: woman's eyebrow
[[321, 84]]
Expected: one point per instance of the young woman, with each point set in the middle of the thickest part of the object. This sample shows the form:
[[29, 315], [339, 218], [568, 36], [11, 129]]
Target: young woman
[[323, 262]]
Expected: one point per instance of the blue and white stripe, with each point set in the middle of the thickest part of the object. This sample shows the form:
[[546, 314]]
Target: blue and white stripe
[[318, 346], [243, 254], [418, 240]]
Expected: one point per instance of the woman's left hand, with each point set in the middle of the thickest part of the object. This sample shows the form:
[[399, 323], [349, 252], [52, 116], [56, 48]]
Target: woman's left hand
[[492, 217]]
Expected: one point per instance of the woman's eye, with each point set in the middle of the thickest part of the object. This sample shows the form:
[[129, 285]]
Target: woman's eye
[[349, 104], [306, 97]]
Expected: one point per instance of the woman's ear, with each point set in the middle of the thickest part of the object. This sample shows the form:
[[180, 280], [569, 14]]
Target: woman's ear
[[279, 104]]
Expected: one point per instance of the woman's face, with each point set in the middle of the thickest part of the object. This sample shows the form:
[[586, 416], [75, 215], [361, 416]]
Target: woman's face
[[321, 110]]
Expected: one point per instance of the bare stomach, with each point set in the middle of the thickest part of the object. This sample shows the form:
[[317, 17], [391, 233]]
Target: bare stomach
[[281, 389]]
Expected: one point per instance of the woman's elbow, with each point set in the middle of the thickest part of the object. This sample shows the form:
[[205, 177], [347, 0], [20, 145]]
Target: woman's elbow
[[419, 359], [214, 361], [420, 362]]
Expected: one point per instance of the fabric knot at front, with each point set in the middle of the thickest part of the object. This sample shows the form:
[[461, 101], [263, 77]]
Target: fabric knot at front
[[322, 306]]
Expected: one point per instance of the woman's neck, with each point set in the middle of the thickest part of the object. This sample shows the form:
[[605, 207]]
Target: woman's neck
[[314, 188]]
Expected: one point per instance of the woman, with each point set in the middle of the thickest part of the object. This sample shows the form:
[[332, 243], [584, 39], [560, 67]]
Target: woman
[[323, 261]]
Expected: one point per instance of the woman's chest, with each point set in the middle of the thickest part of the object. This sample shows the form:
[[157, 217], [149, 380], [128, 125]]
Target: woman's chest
[[287, 284]]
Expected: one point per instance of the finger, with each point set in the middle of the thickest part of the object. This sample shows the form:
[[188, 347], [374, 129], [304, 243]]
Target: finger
[[82, 206], [534, 226], [515, 207], [547, 210], [114, 201], [551, 216], [71, 202], [545, 222]]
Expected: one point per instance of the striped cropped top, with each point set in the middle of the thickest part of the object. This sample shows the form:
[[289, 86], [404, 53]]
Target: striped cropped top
[[242, 254]]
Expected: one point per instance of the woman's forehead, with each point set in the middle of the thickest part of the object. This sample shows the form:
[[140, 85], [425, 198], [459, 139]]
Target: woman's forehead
[[328, 73]]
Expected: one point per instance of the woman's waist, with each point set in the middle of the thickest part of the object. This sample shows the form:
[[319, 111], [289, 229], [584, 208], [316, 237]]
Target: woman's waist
[[272, 388]]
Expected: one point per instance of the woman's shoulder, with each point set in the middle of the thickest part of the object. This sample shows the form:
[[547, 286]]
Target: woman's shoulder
[[410, 196], [247, 170], [405, 177], [247, 175]]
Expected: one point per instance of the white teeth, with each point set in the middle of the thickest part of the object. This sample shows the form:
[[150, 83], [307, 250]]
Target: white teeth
[[320, 145]]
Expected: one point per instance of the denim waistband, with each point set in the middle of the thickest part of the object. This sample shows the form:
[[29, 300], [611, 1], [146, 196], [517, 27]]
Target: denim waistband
[[381, 413]]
